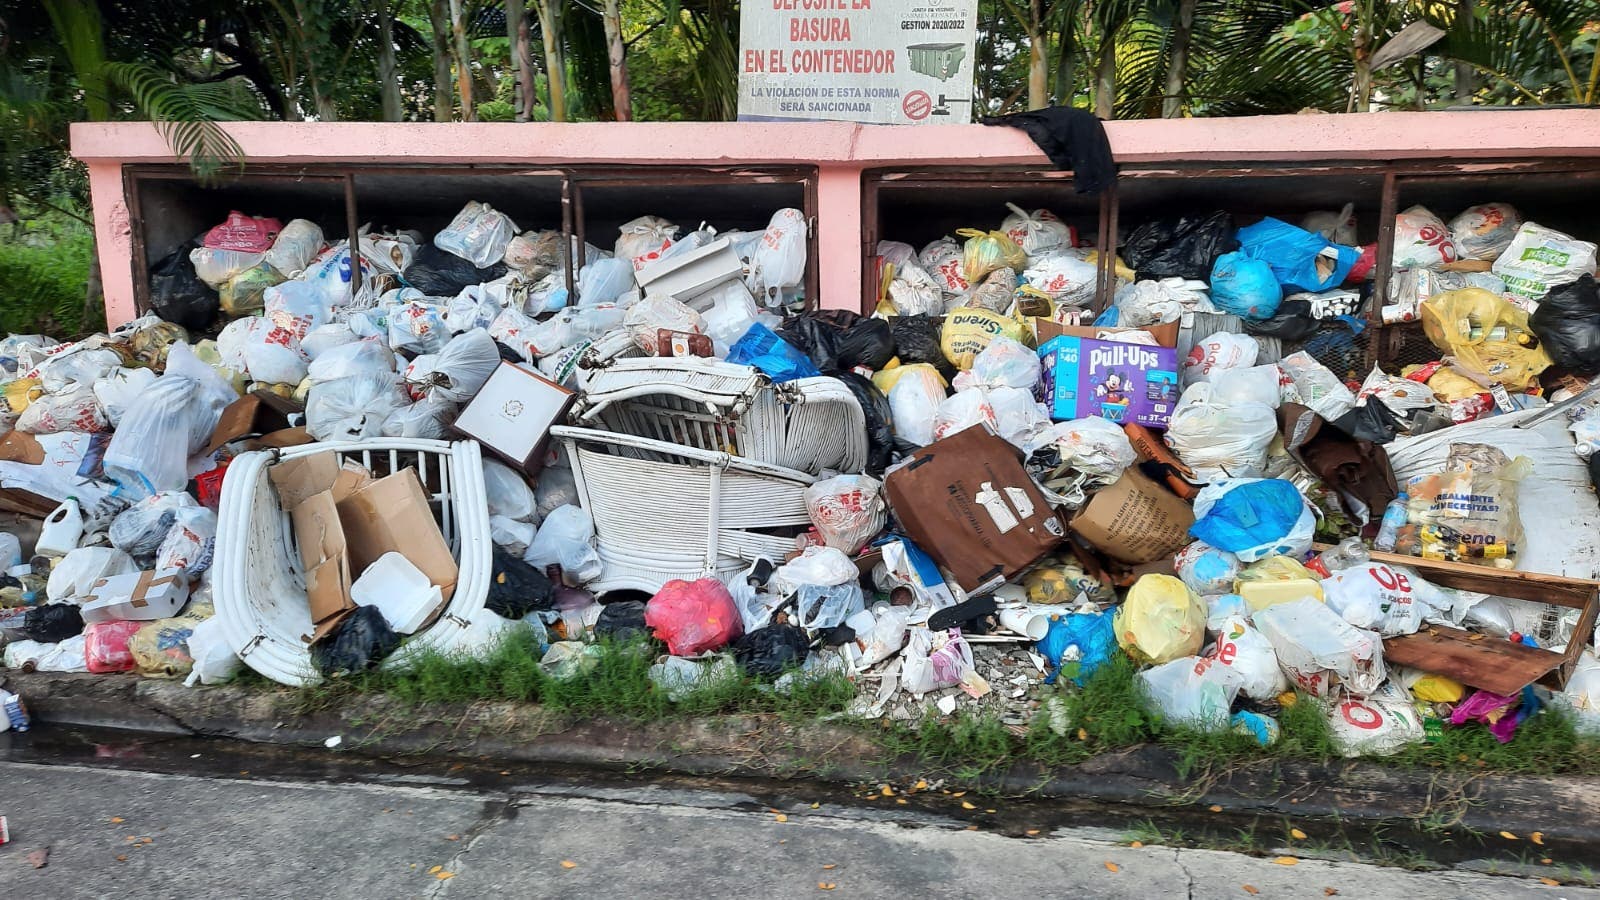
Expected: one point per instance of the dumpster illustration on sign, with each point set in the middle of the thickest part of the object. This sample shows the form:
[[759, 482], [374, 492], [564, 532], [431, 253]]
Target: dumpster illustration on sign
[[941, 61]]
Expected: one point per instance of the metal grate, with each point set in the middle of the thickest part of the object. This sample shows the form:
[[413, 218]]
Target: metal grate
[[1404, 345]]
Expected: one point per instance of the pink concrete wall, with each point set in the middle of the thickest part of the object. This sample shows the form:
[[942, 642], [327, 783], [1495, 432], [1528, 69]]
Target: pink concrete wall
[[841, 151]]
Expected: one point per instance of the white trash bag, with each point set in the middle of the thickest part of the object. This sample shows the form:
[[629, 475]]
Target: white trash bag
[[428, 418], [1484, 231], [1004, 363], [364, 356], [418, 326], [848, 510], [1389, 601], [944, 260], [781, 256], [1321, 651], [479, 234], [457, 372], [214, 659], [1382, 724], [353, 408], [1206, 570], [508, 492], [1320, 390], [1192, 692], [1247, 652], [1037, 232], [1221, 351], [74, 574], [914, 292], [511, 535], [1068, 279], [1540, 258], [566, 538], [1220, 440], [297, 245], [819, 566], [643, 240]]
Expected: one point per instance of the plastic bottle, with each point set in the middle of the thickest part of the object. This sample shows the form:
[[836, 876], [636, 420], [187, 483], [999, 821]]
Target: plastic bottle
[[1394, 519], [62, 530]]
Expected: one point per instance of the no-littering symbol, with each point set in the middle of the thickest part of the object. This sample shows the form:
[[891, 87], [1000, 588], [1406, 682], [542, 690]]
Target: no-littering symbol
[[917, 105]]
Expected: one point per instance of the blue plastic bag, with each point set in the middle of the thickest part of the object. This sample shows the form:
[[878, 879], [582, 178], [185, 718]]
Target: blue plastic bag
[[1244, 286], [1091, 633], [771, 354], [1254, 518], [1292, 253]]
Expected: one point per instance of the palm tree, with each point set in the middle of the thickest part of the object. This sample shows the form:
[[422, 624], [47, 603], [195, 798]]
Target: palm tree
[[1534, 48]]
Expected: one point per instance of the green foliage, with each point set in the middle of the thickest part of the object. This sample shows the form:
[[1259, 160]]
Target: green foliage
[[44, 264], [187, 116]]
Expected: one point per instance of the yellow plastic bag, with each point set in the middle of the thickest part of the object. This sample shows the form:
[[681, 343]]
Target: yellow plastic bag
[[986, 251], [1121, 269], [1438, 689], [1056, 582], [245, 293], [18, 393], [1486, 334], [968, 331], [1467, 513], [1277, 579], [1449, 385], [884, 379], [161, 648], [1162, 620]]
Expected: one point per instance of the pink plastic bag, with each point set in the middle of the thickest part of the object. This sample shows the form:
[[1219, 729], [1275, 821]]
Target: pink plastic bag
[[105, 646], [693, 616], [246, 234]]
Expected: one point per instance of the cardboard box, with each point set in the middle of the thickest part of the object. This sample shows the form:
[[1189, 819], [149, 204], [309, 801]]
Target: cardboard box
[[325, 559], [135, 596], [967, 501], [1044, 330], [392, 515], [1135, 521], [250, 415], [302, 477], [1124, 383], [512, 415]]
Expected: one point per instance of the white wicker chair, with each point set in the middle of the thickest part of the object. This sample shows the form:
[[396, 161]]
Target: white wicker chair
[[258, 582], [809, 424], [663, 510]]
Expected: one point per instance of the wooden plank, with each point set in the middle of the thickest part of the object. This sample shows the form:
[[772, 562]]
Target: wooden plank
[[1489, 663]]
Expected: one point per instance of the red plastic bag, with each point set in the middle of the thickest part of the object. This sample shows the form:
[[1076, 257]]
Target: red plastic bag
[[246, 234], [693, 616], [105, 646]]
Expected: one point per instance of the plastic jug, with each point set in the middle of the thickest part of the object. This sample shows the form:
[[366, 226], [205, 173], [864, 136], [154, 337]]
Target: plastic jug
[[62, 530]]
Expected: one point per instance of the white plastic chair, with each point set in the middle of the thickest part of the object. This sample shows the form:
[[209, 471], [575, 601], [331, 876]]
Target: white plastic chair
[[809, 424], [664, 510], [259, 586]]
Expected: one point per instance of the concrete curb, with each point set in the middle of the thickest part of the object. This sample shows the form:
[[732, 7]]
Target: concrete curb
[[1356, 794]]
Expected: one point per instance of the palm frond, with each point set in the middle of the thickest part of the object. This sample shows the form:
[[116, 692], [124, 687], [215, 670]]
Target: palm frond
[[187, 116]]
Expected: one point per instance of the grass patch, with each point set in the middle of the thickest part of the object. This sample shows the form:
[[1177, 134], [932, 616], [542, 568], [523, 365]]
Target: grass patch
[[1546, 744], [44, 268], [618, 686]]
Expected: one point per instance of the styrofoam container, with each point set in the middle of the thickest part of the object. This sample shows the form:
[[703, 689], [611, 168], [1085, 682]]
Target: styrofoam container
[[687, 275], [399, 590], [136, 596]]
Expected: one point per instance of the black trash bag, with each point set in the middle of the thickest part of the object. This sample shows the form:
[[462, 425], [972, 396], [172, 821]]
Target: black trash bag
[[1374, 422], [769, 652], [966, 616], [360, 642], [178, 295], [880, 420], [838, 340], [517, 588], [1567, 323], [916, 340], [1181, 247], [52, 622], [438, 273], [622, 621], [1293, 322]]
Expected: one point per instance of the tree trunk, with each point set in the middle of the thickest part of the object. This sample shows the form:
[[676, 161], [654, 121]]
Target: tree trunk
[[1178, 65], [388, 74], [463, 54], [554, 64], [1067, 66], [1361, 52], [521, 57], [1105, 82], [621, 93], [93, 293], [1038, 71], [439, 19], [1466, 80]]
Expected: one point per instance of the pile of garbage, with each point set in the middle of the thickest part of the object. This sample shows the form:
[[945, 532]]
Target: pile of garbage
[[985, 487]]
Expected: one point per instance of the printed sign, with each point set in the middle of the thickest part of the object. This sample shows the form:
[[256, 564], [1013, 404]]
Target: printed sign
[[890, 62]]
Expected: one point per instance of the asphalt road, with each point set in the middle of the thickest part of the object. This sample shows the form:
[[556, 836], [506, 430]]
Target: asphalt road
[[119, 832]]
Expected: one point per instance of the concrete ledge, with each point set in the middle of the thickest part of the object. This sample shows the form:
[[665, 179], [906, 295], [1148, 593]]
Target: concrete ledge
[[1360, 794]]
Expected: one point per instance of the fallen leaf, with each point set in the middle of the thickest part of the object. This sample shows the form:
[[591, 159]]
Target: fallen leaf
[[922, 785], [1508, 835], [1330, 892], [1136, 844], [959, 794], [1083, 734], [445, 876], [148, 841], [826, 885], [1112, 867], [505, 773], [816, 806], [1297, 834], [966, 804], [781, 817], [1476, 637], [568, 864], [435, 870], [831, 866], [887, 791], [871, 797], [1546, 861], [1286, 861], [452, 837], [122, 857], [116, 820], [1550, 881], [1216, 809], [1537, 837], [1031, 832], [1251, 889], [900, 800], [972, 828], [990, 811]]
